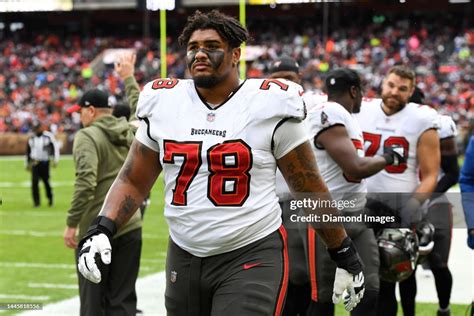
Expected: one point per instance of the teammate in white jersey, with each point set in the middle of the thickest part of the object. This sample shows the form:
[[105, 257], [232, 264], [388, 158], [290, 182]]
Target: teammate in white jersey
[[393, 120], [299, 288], [218, 142], [338, 146], [440, 211]]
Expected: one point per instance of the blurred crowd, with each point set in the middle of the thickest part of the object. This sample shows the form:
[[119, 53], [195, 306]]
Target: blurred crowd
[[41, 78]]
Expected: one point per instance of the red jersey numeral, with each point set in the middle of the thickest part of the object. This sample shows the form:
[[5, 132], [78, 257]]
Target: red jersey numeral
[[229, 181], [401, 141], [374, 140], [191, 153], [266, 84], [374, 146], [164, 84], [229, 164]]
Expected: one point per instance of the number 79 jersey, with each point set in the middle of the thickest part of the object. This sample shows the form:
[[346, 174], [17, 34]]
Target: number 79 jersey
[[403, 128], [219, 163]]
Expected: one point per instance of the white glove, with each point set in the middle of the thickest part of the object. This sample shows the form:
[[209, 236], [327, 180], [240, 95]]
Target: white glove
[[350, 287], [96, 244]]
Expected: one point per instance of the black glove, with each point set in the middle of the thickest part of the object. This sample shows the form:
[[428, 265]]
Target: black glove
[[96, 241], [346, 257], [394, 155], [100, 225]]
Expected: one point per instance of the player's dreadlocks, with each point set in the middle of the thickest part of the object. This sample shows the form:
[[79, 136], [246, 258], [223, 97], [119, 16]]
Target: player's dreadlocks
[[228, 27]]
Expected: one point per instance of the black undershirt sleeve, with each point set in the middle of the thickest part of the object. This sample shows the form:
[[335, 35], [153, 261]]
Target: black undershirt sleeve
[[449, 164]]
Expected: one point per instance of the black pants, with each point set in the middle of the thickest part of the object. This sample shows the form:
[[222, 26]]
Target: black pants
[[387, 304], [40, 170], [251, 280], [322, 269], [115, 294], [299, 287]]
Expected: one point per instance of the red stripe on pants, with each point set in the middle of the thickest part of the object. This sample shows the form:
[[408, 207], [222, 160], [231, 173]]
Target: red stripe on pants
[[286, 269], [312, 262]]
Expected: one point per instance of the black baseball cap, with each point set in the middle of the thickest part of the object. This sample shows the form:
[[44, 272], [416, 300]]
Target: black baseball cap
[[285, 63], [341, 79], [94, 97], [418, 96]]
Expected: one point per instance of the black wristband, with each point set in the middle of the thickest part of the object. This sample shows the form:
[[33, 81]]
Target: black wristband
[[388, 159], [100, 225], [346, 257]]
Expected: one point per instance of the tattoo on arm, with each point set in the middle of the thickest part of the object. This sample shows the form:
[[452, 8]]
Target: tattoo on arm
[[302, 175], [127, 168], [137, 149], [135, 180], [128, 206]]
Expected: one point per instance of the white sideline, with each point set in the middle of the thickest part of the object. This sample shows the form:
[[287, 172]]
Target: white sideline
[[53, 286], [150, 292], [7, 265], [150, 289], [24, 297]]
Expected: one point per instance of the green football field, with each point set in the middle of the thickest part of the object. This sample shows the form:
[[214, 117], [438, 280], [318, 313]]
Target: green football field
[[35, 266]]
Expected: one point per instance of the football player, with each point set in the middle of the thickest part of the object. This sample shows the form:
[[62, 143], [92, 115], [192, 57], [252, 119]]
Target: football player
[[440, 214], [440, 209], [392, 120], [218, 142], [338, 146], [299, 288]]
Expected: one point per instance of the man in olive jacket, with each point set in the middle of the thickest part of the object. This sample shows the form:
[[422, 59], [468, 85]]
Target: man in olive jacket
[[99, 151]]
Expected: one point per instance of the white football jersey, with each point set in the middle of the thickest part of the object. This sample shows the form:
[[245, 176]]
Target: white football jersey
[[447, 129], [219, 163], [311, 99], [320, 118], [403, 128]]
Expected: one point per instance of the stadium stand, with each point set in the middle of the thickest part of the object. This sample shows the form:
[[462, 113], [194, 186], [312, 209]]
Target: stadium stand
[[42, 75]]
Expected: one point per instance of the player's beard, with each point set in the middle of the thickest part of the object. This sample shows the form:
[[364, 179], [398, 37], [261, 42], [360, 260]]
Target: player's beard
[[215, 60], [206, 82], [389, 99]]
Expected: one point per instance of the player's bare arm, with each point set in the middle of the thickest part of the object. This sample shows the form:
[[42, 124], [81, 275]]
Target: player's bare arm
[[448, 147], [135, 180], [429, 158], [301, 173], [339, 146]]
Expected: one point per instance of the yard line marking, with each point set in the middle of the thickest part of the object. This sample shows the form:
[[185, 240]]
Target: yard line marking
[[39, 213], [27, 184], [153, 260], [53, 286], [152, 236], [22, 157], [33, 233], [30, 233], [146, 268], [4, 264], [24, 297]]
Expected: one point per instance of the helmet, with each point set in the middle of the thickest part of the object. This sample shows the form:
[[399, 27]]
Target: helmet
[[398, 249], [425, 232]]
